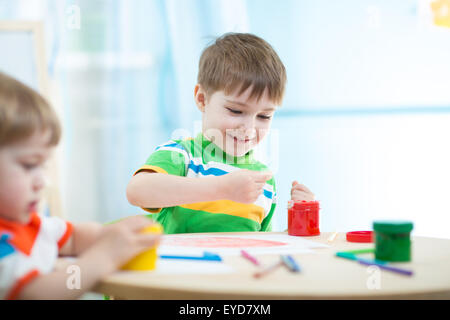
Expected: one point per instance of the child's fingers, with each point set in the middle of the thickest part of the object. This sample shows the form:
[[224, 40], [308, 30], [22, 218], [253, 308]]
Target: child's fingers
[[263, 176], [298, 195], [260, 185], [293, 190], [148, 240], [137, 223], [301, 187]]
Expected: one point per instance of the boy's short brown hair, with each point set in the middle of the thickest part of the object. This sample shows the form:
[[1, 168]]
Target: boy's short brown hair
[[23, 112], [236, 61]]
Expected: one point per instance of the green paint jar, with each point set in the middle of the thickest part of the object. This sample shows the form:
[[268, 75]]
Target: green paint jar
[[392, 240]]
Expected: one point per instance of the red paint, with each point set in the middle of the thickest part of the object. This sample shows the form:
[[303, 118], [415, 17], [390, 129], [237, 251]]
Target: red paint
[[303, 218], [359, 236]]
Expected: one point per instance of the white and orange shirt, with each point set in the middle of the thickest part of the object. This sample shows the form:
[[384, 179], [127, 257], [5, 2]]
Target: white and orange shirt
[[28, 250]]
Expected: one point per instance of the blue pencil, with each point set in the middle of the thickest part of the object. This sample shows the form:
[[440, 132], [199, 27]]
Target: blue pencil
[[207, 256], [290, 262]]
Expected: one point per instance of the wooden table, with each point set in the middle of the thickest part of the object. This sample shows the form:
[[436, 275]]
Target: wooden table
[[323, 276]]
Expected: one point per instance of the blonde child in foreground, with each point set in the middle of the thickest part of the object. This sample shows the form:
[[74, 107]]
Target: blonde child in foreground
[[29, 243]]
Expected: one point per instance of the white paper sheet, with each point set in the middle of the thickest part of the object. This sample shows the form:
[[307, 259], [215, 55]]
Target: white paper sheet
[[169, 266], [178, 266], [223, 245], [195, 244]]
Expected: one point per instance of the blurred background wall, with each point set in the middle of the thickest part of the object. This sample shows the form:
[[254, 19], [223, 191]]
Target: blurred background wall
[[365, 123]]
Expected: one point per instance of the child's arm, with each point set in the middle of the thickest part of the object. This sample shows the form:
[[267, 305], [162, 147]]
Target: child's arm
[[159, 190], [83, 236], [53, 286], [116, 244]]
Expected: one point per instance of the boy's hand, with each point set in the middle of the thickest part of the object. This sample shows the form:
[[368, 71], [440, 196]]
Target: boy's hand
[[299, 192], [243, 186], [121, 241]]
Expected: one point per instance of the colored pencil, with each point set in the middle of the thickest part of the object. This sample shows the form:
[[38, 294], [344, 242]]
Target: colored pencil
[[385, 267], [290, 262], [269, 269], [207, 256], [381, 264], [360, 251], [250, 258], [351, 256]]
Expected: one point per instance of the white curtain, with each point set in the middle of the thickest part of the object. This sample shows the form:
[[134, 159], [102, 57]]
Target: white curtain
[[124, 81]]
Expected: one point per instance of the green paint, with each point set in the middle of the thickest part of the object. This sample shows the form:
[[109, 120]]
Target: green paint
[[392, 240]]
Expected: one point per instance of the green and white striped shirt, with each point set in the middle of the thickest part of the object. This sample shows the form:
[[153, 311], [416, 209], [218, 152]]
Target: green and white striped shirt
[[198, 158]]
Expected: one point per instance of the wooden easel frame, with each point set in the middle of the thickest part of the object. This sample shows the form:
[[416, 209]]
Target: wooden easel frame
[[36, 28]]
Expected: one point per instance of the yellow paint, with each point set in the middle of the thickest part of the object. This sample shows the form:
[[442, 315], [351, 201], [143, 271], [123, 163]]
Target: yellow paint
[[146, 260]]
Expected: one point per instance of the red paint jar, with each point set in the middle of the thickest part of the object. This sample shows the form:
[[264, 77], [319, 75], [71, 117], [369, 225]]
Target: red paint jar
[[303, 218]]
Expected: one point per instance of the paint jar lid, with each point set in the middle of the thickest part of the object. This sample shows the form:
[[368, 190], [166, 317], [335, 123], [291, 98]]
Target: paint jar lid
[[303, 205], [360, 236], [393, 226]]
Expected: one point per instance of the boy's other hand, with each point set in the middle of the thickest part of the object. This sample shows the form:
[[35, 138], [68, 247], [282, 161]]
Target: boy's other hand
[[300, 192], [123, 240], [244, 186]]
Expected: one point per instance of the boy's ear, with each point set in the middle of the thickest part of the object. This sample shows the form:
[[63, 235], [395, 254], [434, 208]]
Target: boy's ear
[[200, 97]]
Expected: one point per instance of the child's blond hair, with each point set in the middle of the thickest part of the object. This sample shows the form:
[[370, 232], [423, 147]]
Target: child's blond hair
[[23, 112], [237, 61]]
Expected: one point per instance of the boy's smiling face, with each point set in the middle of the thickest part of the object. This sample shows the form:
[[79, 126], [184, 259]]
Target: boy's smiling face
[[235, 123], [22, 176]]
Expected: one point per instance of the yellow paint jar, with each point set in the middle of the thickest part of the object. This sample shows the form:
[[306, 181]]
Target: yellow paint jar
[[146, 260]]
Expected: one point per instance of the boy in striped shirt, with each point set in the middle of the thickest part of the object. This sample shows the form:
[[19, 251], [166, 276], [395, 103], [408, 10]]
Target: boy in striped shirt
[[212, 182]]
